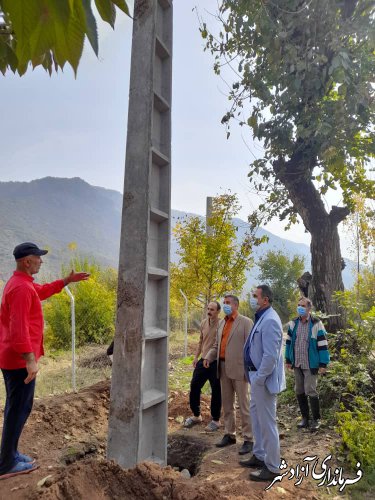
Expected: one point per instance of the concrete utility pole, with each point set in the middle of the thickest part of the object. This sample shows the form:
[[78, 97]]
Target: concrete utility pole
[[139, 392], [208, 215]]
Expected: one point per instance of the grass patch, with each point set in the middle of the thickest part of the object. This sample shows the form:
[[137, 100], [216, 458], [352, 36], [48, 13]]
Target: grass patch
[[55, 371], [364, 489], [92, 366], [288, 396]]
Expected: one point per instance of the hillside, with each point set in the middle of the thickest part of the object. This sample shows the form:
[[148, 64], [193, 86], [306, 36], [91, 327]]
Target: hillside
[[55, 212]]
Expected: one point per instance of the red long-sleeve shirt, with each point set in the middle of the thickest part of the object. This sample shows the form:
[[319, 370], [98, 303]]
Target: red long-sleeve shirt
[[21, 319]]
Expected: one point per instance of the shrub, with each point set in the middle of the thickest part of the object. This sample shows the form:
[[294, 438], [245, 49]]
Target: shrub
[[95, 303], [357, 430]]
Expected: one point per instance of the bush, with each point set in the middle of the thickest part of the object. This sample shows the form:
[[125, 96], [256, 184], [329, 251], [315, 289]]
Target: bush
[[95, 306], [348, 387], [357, 430]]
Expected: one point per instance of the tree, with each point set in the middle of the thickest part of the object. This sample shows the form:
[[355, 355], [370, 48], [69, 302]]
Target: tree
[[304, 72], [281, 272], [361, 225], [50, 33], [211, 262]]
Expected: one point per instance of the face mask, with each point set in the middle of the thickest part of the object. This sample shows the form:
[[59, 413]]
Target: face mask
[[227, 309], [254, 303], [301, 310]]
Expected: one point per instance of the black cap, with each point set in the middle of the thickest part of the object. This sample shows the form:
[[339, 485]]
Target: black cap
[[27, 248]]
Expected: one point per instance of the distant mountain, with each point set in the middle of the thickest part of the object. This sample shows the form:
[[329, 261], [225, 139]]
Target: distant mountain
[[55, 212]]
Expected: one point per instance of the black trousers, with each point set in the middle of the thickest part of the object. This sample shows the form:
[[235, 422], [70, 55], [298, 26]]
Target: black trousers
[[18, 405], [200, 377]]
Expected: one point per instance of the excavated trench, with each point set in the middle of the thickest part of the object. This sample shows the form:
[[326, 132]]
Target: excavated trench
[[186, 452]]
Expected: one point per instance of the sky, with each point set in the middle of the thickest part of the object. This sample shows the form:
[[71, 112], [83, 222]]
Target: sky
[[65, 127]]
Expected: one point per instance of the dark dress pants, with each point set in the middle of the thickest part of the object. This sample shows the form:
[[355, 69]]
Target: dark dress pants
[[18, 405], [200, 377]]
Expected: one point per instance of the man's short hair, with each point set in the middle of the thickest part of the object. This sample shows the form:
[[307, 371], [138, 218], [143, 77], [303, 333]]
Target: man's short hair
[[308, 301], [233, 297], [266, 292], [218, 306]]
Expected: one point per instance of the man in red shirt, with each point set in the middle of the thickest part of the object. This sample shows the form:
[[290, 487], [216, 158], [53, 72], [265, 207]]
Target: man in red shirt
[[21, 346]]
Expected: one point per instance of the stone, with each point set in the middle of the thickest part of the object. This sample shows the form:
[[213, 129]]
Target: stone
[[185, 473], [46, 481]]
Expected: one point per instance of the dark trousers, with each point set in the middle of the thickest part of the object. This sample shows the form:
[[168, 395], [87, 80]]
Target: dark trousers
[[19, 402], [200, 377]]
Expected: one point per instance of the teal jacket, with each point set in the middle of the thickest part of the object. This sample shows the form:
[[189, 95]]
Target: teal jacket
[[318, 345]]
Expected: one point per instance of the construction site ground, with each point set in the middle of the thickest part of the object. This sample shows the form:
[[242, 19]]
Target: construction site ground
[[67, 434]]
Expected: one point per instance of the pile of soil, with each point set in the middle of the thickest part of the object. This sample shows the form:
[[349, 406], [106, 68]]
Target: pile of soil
[[178, 405], [105, 480], [68, 436]]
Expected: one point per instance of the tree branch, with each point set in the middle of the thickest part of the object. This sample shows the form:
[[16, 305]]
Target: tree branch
[[338, 214]]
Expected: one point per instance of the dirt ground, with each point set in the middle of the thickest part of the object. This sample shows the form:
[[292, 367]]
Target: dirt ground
[[67, 435]]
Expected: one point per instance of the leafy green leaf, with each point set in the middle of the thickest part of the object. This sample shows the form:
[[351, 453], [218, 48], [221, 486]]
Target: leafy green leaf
[[91, 30], [60, 10], [122, 5], [24, 20], [76, 34], [42, 38], [107, 11], [12, 59]]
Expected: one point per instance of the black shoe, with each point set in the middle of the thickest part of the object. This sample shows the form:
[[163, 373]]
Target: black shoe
[[263, 475], [226, 441], [253, 461], [315, 424], [315, 410], [303, 424], [246, 447]]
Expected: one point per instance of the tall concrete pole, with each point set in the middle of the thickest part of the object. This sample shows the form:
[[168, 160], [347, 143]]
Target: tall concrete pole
[[138, 412], [208, 215]]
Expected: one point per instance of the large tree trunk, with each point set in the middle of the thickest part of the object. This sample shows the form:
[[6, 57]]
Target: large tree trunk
[[326, 270], [325, 242]]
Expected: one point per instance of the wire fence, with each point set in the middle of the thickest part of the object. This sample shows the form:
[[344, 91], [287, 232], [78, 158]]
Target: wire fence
[[75, 365]]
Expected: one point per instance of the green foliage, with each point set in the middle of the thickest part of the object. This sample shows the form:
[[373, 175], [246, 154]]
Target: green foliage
[[211, 263], [343, 382], [357, 429], [347, 389], [289, 395], [50, 33], [307, 71], [361, 227], [352, 370], [281, 272], [245, 308], [95, 302]]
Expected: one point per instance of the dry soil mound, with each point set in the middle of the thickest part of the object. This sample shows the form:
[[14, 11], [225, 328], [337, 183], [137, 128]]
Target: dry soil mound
[[104, 480]]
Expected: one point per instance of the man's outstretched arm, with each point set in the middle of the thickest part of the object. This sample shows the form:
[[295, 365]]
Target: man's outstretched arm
[[48, 289]]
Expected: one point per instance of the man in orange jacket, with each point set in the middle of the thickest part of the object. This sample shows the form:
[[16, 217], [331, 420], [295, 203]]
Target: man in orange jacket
[[21, 346]]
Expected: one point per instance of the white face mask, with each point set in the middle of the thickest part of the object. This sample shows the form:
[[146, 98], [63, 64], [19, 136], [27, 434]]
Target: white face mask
[[254, 303], [227, 308]]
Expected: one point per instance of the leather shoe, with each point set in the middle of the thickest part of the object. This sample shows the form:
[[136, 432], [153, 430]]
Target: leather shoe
[[315, 424], [226, 441], [303, 424], [263, 475], [253, 461], [246, 447]]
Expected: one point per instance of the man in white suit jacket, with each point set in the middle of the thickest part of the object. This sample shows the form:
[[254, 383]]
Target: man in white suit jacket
[[264, 368]]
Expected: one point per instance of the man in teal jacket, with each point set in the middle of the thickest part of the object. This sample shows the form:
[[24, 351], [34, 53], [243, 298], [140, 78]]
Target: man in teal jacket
[[306, 352]]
